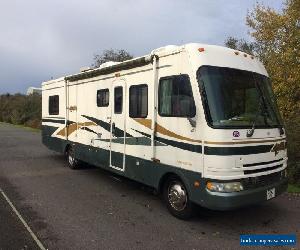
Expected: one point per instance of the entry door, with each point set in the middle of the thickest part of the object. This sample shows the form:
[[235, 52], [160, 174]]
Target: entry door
[[118, 128], [72, 113]]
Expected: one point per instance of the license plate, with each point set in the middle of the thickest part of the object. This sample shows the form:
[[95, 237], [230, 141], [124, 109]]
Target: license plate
[[270, 193]]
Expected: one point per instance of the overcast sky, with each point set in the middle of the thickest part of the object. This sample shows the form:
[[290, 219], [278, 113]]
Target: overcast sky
[[44, 39]]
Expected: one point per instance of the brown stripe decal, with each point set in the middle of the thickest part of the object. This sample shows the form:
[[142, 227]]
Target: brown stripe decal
[[73, 127], [145, 122], [242, 142], [160, 129]]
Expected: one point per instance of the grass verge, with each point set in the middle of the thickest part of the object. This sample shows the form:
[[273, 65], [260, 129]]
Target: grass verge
[[293, 188], [23, 127]]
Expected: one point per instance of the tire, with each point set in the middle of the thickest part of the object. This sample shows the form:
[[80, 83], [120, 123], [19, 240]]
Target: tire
[[73, 163], [177, 199]]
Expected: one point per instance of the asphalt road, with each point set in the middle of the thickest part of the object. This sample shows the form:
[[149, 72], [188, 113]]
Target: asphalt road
[[92, 209]]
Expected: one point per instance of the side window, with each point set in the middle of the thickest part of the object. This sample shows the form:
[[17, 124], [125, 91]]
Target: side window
[[175, 97], [54, 105], [138, 101], [103, 98], [118, 100]]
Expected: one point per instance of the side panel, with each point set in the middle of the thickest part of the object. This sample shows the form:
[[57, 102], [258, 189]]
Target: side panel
[[53, 123], [178, 145], [147, 171], [184, 142], [94, 121]]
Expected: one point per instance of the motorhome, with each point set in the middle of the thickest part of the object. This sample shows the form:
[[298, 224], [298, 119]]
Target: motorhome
[[198, 123]]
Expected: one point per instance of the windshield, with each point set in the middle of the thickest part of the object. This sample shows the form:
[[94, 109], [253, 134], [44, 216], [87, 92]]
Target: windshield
[[237, 98]]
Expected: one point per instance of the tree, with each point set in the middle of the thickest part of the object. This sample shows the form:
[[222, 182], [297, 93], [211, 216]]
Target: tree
[[111, 55], [240, 44], [277, 36], [277, 44]]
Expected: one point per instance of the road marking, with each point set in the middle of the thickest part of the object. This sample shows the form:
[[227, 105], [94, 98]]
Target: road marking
[[37, 241]]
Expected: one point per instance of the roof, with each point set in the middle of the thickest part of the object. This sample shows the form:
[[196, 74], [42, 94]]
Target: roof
[[112, 67]]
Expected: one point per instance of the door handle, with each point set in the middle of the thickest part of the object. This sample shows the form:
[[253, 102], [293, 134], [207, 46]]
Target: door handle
[[113, 128]]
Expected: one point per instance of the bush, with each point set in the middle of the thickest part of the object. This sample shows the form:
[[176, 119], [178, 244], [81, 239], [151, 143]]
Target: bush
[[293, 136], [21, 110]]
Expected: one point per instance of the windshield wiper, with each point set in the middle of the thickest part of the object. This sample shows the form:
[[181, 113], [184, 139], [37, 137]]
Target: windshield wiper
[[251, 131]]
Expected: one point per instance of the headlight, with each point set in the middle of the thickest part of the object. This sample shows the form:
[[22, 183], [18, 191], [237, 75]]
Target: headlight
[[226, 187]]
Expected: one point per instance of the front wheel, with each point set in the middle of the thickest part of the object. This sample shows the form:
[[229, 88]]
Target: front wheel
[[177, 199], [73, 163]]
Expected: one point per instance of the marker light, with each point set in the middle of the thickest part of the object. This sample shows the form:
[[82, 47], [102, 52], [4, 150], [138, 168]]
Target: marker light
[[201, 49], [196, 184]]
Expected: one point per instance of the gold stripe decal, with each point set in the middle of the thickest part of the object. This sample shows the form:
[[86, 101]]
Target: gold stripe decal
[[160, 129], [243, 142], [73, 127], [278, 147]]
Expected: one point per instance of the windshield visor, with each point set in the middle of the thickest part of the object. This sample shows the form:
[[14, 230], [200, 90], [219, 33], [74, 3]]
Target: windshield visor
[[235, 98]]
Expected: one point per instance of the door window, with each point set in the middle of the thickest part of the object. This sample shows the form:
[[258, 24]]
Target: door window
[[118, 100]]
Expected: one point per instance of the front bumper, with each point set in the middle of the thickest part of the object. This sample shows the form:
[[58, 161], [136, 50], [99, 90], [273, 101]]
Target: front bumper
[[230, 201]]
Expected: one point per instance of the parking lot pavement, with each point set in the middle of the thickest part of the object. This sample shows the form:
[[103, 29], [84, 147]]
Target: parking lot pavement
[[13, 233], [93, 209]]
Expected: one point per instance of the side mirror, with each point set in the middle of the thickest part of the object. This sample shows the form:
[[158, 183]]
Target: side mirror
[[192, 121]]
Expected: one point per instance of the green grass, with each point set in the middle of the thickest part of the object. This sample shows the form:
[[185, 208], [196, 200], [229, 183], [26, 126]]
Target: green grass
[[23, 127], [293, 188]]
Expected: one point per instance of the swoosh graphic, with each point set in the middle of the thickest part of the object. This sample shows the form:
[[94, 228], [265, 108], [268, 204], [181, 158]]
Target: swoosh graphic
[[162, 130]]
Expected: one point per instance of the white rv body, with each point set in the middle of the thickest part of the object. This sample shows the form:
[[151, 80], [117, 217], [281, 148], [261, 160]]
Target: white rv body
[[151, 147]]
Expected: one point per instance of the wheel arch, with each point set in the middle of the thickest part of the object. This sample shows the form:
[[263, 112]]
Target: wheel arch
[[66, 147], [168, 175]]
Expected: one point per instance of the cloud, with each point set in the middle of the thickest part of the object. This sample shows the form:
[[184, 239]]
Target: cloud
[[44, 39]]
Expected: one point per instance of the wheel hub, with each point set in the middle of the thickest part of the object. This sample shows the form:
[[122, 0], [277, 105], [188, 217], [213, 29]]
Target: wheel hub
[[71, 158], [177, 196]]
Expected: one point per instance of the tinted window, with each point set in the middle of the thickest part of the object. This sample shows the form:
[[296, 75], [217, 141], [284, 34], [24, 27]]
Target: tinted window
[[175, 97], [237, 98], [54, 105], [118, 100], [103, 98], [138, 101]]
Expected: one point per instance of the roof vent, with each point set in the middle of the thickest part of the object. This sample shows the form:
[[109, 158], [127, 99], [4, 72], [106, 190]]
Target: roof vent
[[169, 48], [84, 69], [107, 64]]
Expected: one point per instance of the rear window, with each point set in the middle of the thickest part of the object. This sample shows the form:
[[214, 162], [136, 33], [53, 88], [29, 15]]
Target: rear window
[[54, 105]]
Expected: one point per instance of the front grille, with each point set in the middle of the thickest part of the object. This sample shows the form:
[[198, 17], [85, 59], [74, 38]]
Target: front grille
[[261, 181], [253, 171], [263, 166], [262, 163]]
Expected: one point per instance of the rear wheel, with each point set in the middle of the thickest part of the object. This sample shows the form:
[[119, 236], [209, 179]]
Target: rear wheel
[[73, 163], [177, 198]]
